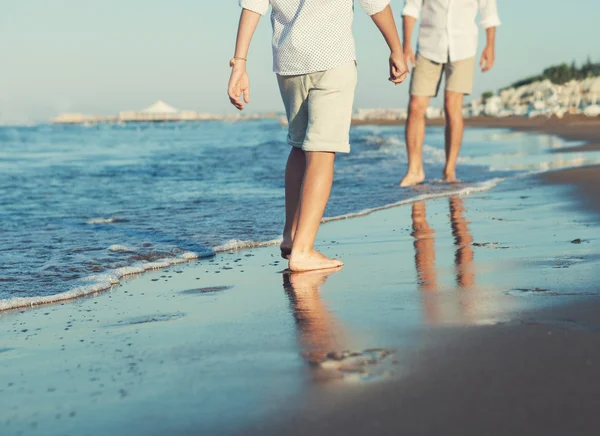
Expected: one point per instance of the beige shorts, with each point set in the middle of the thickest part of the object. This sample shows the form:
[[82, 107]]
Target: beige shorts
[[319, 108], [427, 76]]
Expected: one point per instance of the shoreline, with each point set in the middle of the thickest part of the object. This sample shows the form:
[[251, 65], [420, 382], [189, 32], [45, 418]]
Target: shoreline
[[570, 127]]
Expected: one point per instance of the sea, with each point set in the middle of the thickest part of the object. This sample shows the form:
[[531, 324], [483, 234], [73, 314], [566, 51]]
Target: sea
[[84, 206]]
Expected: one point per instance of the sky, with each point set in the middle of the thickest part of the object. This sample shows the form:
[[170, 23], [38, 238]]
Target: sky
[[101, 57]]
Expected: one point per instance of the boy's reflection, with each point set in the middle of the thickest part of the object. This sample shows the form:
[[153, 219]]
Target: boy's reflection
[[425, 258], [318, 332], [425, 261]]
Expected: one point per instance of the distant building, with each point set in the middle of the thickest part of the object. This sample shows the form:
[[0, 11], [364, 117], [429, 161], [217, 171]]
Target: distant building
[[157, 112]]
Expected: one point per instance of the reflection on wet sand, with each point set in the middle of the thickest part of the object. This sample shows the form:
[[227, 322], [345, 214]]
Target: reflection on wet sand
[[425, 261], [323, 341], [318, 332], [464, 258]]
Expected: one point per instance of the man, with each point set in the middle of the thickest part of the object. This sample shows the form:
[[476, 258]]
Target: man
[[315, 62], [447, 44]]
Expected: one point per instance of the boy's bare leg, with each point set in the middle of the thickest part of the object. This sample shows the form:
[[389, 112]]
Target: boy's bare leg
[[294, 173], [316, 188], [415, 136], [455, 127]]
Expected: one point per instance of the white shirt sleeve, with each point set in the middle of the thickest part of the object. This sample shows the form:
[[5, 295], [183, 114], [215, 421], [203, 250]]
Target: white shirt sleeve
[[412, 8], [373, 7], [489, 13], [258, 6]]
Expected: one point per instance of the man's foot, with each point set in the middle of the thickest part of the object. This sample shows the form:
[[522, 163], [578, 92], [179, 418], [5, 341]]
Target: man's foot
[[312, 261], [412, 179], [450, 177]]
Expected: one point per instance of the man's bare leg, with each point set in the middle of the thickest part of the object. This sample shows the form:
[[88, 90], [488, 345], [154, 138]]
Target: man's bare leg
[[455, 127], [415, 136], [316, 188], [294, 174]]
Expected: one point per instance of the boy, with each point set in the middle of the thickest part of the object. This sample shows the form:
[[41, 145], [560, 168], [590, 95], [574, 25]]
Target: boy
[[314, 59]]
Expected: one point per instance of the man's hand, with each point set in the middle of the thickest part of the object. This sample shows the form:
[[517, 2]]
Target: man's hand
[[488, 58], [409, 57], [398, 68], [239, 84]]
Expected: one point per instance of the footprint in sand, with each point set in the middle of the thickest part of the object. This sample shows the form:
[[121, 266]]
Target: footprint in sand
[[563, 324], [368, 365], [162, 317], [532, 291], [208, 290]]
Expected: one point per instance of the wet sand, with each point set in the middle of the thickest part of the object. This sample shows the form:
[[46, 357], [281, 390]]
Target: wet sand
[[584, 181], [529, 377]]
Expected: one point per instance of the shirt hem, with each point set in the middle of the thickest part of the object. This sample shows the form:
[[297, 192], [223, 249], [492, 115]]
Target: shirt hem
[[312, 70], [449, 58]]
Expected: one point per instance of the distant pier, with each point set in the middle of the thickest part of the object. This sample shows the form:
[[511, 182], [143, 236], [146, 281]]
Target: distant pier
[[159, 112]]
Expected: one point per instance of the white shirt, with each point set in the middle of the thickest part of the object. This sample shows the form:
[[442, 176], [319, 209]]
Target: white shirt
[[448, 29], [312, 35]]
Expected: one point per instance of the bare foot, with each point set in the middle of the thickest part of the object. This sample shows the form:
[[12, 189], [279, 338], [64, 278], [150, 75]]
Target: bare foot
[[286, 247], [311, 261], [450, 177], [309, 280], [412, 179]]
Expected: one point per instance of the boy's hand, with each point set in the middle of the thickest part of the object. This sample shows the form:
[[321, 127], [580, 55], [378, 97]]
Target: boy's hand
[[239, 84], [398, 68], [487, 58], [409, 57]]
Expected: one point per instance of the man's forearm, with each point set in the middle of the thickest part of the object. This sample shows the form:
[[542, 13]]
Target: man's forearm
[[248, 23], [491, 36], [386, 24], [408, 25]]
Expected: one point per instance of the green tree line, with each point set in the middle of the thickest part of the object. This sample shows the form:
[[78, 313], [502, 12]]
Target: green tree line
[[563, 73]]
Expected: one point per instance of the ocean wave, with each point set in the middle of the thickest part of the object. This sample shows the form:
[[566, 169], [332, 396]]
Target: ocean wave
[[96, 284], [236, 244], [120, 248], [112, 220]]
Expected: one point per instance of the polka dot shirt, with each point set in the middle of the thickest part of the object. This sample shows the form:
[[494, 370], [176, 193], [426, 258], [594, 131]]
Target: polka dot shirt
[[312, 35]]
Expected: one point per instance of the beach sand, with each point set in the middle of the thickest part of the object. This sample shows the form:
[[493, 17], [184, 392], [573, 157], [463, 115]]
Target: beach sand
[[469, 315]]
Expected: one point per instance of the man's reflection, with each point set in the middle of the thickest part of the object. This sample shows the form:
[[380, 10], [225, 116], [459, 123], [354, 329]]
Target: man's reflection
[[318, 332], [463, 259], [425, 259]]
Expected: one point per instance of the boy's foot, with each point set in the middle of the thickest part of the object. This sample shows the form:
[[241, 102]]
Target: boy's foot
[[312, 261], [412, 179], [286, 247], [285, 252]]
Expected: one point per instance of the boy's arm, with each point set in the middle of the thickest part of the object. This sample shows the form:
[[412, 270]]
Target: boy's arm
[[239, 82], [384, 20], [410, 14], [489, 21]]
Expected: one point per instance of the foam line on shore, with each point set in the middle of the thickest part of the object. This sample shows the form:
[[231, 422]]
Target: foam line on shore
[[97, 283], [104, 282], [479, 187]]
